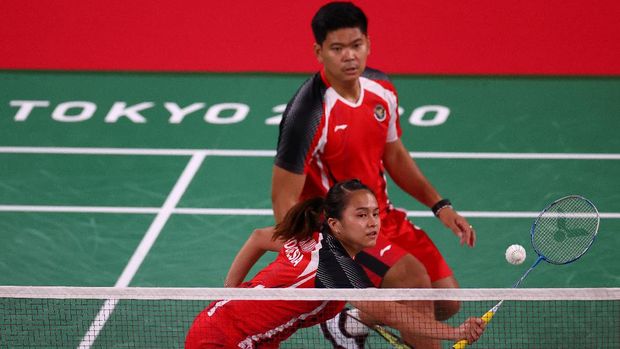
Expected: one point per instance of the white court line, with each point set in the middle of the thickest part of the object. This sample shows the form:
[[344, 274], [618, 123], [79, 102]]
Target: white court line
[[98, 151], [225, 211], [79, 209], [136, 151], [271, 153], [145, 245], [516, 156], [249, 211]]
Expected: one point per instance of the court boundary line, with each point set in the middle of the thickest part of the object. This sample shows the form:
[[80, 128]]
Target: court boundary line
[[148, 240], [249, 211], [271, 153]]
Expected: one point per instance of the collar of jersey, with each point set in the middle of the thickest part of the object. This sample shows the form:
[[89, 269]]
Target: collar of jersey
[[339, 97]]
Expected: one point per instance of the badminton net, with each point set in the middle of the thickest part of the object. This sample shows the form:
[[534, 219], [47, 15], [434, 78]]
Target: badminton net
[[82, 317]]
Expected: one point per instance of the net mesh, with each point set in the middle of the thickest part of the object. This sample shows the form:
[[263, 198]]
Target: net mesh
[[565, 230], [44, 317]]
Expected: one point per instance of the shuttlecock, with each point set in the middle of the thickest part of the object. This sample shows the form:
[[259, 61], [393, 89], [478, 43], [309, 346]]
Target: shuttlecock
[[515, 254]]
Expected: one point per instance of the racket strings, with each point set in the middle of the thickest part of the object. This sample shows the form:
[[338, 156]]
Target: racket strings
[[565, 230]]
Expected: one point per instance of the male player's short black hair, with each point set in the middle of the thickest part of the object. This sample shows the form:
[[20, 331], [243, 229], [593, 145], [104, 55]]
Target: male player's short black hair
[[337, 15]]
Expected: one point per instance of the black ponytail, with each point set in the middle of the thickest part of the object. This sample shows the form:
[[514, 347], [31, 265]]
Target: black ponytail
[[301, 220], [307, 217]]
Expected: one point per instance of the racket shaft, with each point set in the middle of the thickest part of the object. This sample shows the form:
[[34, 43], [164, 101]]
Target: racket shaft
[[386, 334], [391, 338]]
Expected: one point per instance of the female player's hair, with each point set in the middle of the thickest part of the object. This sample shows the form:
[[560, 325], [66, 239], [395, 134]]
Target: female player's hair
[[309, 216], [337, 15]]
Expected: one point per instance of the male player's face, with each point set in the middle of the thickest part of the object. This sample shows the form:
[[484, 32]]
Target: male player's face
[[343, 55], [359, 225]]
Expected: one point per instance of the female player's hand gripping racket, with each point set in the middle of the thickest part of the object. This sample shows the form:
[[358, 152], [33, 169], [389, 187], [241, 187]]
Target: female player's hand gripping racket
[[563, 232]]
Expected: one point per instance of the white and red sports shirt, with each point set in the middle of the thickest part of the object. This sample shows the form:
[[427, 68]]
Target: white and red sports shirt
[[331, 139]]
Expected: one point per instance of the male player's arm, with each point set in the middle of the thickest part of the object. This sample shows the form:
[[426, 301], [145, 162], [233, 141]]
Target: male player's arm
[[408, 320], [299, 130], [286, 187], [408, 176]]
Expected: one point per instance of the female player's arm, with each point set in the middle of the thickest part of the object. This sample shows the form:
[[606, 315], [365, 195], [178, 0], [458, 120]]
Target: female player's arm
[[255, 246], [286, 188], [408, 320]]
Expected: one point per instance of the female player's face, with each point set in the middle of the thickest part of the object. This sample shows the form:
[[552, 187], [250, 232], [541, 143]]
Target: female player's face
[[343, 55], [359, 225]]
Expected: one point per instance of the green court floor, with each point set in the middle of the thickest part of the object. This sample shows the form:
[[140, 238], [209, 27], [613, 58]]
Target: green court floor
[[91, 163]]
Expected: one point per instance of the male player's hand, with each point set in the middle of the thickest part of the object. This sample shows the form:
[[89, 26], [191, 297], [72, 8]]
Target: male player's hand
[[459, 226]]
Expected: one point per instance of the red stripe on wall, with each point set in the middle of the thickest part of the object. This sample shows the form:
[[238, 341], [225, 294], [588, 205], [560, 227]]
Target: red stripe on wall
[[551, 37]]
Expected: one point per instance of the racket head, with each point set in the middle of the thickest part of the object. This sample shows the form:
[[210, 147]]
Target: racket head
[[565, 230]]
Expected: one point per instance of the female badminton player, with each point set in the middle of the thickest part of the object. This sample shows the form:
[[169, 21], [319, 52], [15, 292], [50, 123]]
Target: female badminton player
[[323, 237]]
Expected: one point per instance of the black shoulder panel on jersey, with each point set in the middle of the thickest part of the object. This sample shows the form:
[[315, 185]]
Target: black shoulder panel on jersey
[[337, 269], [374, 74], [372, 263], [299, 125]]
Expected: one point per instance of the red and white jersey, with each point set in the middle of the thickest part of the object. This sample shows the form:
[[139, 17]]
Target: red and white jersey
[[331, 139], [319, 262]]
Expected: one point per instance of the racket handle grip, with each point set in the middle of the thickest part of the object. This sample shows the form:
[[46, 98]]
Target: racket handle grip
[[462, 344]]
